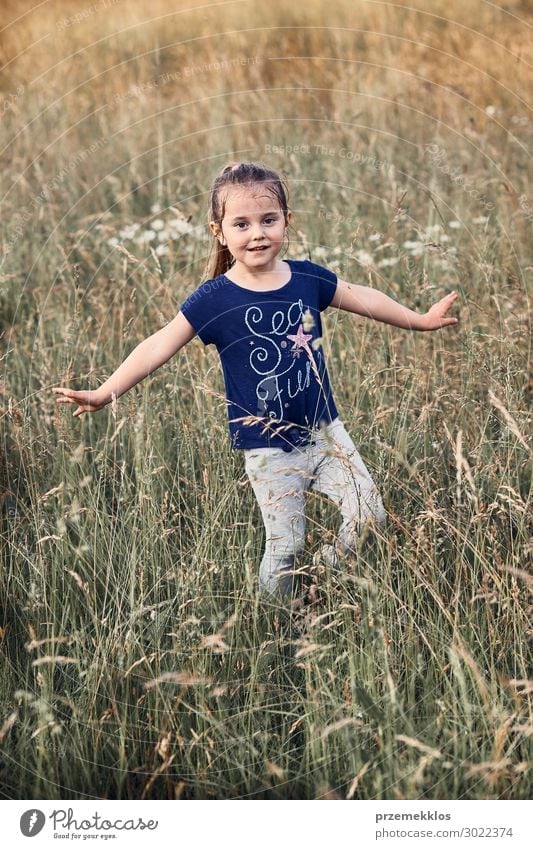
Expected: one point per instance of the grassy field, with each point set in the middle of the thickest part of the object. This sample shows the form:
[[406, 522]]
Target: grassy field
[[137, 659]]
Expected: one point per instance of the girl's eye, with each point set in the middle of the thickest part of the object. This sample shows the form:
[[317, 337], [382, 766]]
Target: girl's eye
[[242, 224]]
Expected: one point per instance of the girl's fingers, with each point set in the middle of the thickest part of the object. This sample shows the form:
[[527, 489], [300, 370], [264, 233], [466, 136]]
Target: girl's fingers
[[447, 302], [71, 396]]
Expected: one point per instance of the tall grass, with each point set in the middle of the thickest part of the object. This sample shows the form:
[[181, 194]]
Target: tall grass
[[138, 659]]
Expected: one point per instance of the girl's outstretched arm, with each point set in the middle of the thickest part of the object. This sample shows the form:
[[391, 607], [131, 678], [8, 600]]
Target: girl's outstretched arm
[[148, 356], [369, 302]]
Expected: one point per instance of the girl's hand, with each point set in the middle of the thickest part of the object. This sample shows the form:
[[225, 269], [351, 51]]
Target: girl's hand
[[88, 401], [436, 315]]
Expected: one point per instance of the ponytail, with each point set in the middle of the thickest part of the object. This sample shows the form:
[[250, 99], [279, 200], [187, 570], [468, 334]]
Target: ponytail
[[221, 262]]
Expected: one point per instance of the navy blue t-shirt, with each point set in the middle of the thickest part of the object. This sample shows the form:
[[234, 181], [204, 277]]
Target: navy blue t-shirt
[[277, 385]]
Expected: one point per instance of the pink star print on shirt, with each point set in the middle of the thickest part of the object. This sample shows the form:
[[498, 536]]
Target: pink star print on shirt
[[300, 340]]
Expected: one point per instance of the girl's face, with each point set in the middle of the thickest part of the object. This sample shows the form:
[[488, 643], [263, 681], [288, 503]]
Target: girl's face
[[253, 227]]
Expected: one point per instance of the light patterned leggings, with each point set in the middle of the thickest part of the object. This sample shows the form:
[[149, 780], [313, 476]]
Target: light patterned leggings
[[329, 464]]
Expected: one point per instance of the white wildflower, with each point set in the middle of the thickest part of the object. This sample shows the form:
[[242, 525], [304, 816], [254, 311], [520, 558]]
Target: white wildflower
[[180, 226], [308, 321], [364, 258], [129, 231], [414, 248], [161, 250], [158, 224], [298, 251], [455, 225], [156, 208], [385, 263], [145, 236]]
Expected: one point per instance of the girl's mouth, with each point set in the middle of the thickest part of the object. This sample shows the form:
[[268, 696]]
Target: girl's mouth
[[261, 248]]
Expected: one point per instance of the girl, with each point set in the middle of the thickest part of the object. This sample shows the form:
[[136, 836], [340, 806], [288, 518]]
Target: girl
[[263, 315]]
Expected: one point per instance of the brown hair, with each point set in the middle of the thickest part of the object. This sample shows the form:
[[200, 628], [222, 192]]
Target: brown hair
[[238, 174]]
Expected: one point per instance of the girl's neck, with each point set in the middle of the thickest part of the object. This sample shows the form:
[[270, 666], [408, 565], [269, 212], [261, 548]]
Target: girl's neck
[[264, 278]]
